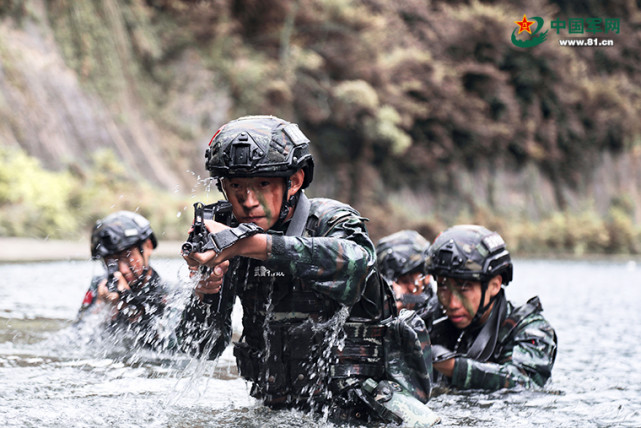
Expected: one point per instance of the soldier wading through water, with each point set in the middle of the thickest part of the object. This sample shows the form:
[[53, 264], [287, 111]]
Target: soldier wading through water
[[401, 260], [320, 330], [484, 342], [130, 289]]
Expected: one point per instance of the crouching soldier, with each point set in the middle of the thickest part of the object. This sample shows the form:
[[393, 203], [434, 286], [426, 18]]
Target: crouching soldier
[[401, 260], [484, 342], [319, 331], [131, 290]]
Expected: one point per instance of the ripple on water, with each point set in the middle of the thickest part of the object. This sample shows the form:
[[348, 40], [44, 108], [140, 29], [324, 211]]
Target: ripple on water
[[52, 375]]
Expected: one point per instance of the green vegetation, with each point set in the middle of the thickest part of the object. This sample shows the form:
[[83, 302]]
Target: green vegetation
[[35, 202], [66, 204], [570, 233], [421, 98], [407, 94]]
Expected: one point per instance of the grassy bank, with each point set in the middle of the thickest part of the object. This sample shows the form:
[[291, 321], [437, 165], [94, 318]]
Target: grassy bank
[[560, 235], [37, 203]]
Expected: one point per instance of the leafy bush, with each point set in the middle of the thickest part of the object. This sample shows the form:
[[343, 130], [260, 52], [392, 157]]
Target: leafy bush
[[40, 203], [34, 201]]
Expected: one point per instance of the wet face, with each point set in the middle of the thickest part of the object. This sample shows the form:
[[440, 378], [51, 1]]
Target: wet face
[[461, 298], [255, 200], [131, 262], [258, 199], [409, 283]]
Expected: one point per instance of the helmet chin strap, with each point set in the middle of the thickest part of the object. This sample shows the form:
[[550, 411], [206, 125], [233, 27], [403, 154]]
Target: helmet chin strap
[[476, 320], [286, 204]]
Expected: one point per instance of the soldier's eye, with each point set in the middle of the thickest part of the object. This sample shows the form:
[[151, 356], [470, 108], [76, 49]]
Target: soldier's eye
[[464, 288]]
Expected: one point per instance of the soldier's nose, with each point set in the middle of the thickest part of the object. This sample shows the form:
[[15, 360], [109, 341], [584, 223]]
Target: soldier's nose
[[250, 198]]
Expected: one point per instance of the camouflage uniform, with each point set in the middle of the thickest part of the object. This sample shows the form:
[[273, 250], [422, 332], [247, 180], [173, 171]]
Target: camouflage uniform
[[509, 346], [402, 253], [287, 302], [114, 234], [150, 297], [317, 316], [523, 355]]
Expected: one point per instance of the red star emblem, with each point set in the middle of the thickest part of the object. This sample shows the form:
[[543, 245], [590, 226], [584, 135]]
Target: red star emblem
[[524, 25]]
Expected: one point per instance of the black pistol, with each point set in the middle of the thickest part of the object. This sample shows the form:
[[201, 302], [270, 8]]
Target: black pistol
[[133, 301], [112, 282], [198, 240]]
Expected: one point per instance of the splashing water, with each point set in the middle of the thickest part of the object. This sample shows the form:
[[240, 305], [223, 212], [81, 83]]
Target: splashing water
[[53, 375]]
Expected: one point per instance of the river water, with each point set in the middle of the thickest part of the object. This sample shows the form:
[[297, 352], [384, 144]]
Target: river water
[[53, 374]]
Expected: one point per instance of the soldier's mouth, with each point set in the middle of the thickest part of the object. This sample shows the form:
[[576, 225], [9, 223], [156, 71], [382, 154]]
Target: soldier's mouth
[[456, 318], [253, 219]]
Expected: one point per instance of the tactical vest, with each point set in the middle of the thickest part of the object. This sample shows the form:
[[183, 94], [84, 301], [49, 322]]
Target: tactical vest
[[294, 339]]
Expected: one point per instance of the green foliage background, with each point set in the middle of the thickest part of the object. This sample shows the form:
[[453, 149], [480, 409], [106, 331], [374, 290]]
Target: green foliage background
[[397, 98], [39, 203]]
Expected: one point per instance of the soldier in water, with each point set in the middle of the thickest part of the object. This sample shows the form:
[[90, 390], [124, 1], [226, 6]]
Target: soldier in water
[[483, 341], [315, 311], [401, 260], [131, 290]]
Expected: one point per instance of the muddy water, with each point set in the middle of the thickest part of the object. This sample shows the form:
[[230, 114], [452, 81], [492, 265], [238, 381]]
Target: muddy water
[[55, 375]]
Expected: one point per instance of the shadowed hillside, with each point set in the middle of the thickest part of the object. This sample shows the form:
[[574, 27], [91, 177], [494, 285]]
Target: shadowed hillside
[[423, 112]]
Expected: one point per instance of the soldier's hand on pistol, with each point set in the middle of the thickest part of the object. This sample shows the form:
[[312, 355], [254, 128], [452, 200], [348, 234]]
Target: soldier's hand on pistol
[[208, 258], [112, 297]]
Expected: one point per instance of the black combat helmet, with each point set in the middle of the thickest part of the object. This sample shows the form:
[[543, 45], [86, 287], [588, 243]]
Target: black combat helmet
[[470, 252], [401, 253], [473, 253], [119, 231], [255, 146]]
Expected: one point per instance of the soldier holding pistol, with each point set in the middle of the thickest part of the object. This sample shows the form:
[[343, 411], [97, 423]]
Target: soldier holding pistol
[[131, 289]]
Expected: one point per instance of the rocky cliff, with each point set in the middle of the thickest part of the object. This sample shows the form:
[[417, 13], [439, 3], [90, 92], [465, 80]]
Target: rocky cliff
[[421, 109]]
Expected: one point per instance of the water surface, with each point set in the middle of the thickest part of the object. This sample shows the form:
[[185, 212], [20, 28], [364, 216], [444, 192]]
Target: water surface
[[54, 375]]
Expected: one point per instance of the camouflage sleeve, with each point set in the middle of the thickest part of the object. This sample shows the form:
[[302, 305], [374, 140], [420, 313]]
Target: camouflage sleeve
[[335, 264], [205, 328], [526, 360]]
